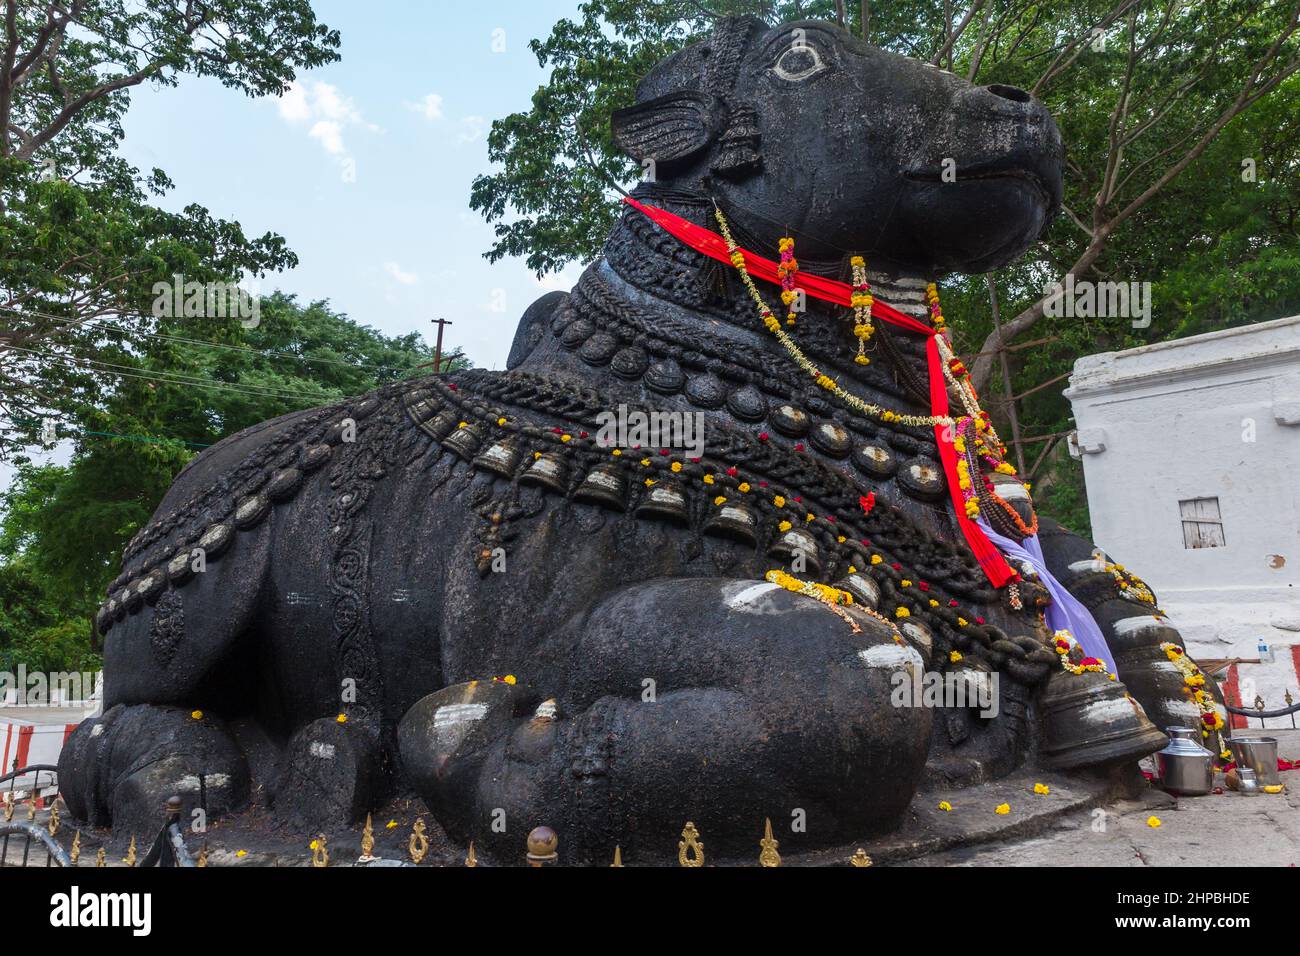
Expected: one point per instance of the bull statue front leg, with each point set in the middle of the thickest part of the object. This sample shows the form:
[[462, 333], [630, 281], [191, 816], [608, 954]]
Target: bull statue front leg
[[718, 701]]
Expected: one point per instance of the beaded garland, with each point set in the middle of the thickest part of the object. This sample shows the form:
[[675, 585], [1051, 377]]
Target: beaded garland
[[989, 445], [825, 381], [730, 484]]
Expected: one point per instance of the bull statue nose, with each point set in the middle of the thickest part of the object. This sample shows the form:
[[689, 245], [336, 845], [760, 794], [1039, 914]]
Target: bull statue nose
[[1012, 93]]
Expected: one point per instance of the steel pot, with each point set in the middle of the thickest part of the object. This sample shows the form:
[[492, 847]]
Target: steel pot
[[1185, 767]]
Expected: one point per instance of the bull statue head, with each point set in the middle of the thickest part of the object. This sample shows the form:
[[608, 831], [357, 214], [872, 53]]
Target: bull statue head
[[805, 129]]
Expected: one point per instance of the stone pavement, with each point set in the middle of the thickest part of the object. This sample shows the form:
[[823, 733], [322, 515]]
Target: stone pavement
[[1081, 822], [1222, 830]]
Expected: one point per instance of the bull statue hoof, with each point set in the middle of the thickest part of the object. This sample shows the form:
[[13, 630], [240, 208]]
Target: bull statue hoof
[[680, 561]]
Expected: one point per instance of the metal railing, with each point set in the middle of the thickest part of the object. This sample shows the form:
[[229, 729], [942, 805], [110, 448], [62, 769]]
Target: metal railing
[[168, 848], [1258, 710], [29, 831]]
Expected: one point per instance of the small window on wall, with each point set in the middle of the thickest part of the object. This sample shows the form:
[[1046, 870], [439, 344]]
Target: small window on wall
[[1202, 524]]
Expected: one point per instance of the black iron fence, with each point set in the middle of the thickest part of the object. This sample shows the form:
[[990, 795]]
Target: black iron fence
[[33, 792]]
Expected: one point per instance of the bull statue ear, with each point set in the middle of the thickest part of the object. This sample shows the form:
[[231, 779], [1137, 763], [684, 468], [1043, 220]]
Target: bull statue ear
[[669, 129]]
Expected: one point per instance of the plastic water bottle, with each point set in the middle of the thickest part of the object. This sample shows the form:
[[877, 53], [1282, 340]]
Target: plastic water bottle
[[1264, 652]]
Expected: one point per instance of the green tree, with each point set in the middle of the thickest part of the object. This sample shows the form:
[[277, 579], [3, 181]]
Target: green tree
[[79, 238]]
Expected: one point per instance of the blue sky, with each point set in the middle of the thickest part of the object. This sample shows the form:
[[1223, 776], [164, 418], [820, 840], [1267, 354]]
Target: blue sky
[[365, 166]]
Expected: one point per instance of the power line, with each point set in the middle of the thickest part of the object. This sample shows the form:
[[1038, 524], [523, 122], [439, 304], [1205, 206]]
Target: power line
[[168, 378], [270, 353], [205, 344], [154, 439]]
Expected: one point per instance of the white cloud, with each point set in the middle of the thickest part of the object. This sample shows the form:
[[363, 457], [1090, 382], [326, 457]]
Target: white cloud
[[396, 271], [430, 107], [328, 112], [293, 104], [471, 129], [330, 135]]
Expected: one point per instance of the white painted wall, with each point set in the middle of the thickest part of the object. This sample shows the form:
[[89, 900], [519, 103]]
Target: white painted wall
[[1211, 416]]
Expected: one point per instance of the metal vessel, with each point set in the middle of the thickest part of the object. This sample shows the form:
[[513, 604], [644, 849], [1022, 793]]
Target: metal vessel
[[1260, 755], [1185, 767], [1248, 782]]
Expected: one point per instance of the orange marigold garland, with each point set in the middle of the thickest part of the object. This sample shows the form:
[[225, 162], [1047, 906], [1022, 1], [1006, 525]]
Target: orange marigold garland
[[1064, 644], [936, 311], [786, 269]]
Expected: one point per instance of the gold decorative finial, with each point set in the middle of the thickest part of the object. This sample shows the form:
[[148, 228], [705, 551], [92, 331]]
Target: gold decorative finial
[[690, 844], [130, 853], [203, 855], [418, 845], [470, 858], [618, 856], [543, 847], [320, 854], [53, 825], [768, 855], [75, 853], [99, 857], [31, 808], [860, 858], [367, 840]]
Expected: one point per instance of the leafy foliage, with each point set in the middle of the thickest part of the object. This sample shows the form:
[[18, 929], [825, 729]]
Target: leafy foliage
[[79, 237]]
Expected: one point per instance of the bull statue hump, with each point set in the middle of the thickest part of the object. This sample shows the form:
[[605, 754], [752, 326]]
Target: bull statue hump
[[516, 597]]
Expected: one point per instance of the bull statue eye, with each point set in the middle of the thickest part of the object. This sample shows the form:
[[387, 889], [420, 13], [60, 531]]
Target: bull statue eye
[[799, 62]]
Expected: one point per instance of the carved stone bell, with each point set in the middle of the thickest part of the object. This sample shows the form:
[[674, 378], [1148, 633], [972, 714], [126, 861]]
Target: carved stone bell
[[464, 441], [735, 521], [665, 501], [443, 423], [796, 543], [500, 457], [549, 470], [1089, 719], [606, 486]]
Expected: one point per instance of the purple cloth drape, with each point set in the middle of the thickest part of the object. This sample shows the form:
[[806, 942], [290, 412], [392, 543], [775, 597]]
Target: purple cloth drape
[[1065, 612]]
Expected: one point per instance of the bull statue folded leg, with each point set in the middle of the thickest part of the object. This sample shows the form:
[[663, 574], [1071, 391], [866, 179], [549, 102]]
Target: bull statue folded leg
[[461, 586]]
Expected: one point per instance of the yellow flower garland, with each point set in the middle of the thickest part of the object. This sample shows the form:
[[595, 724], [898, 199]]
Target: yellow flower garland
[[1204, 701], [802, 360]]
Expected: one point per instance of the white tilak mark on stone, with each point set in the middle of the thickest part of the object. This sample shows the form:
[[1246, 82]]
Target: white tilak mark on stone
[[745, 599], [892, 656], [1009, 491], [1104, 711], [323, 751], [1088, 565], [1134, 625], [451, 714], [1185, 708], [211, 781]]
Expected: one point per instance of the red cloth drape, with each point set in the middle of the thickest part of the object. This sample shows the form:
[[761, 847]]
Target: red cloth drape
[[829, 290]]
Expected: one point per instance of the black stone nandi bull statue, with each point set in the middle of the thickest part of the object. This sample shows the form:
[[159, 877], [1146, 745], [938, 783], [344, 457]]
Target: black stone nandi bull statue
[[451, 586]]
